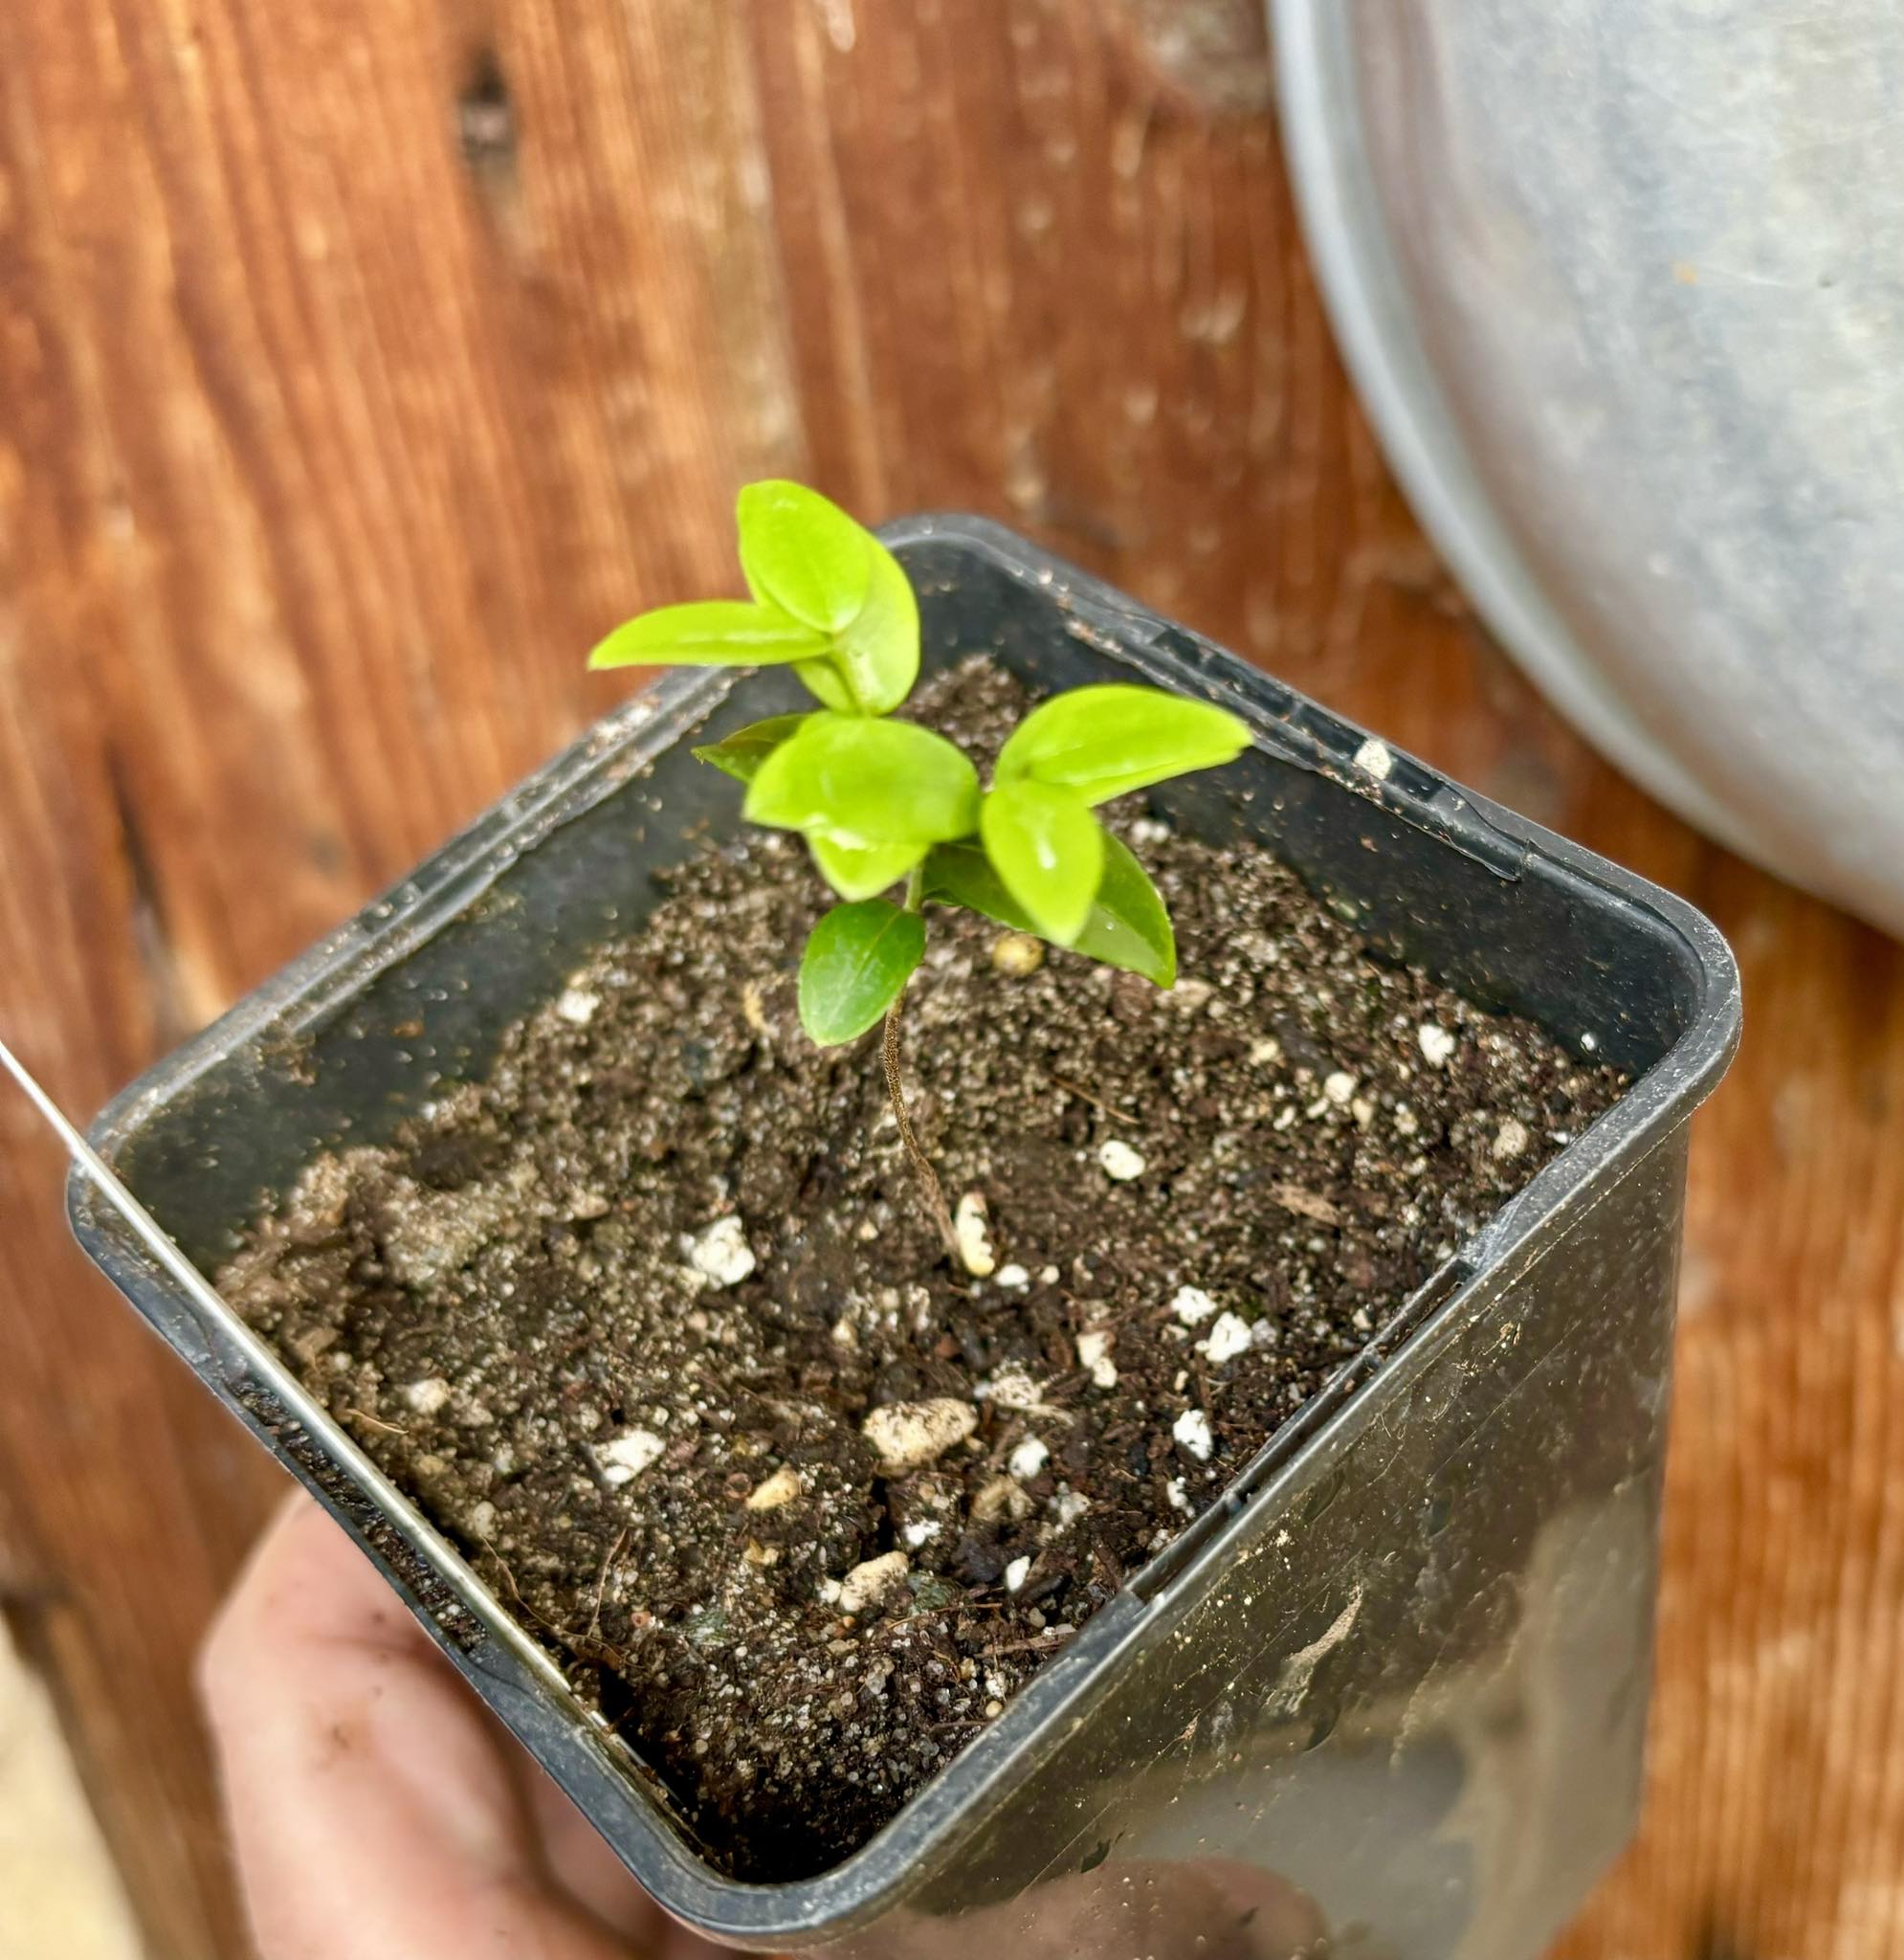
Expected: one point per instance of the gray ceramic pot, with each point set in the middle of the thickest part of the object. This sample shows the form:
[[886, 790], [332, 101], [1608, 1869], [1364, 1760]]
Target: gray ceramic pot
[[1621, 284]]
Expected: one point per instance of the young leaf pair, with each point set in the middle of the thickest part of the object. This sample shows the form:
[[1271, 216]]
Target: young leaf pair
[[879, 801], [829, 600]]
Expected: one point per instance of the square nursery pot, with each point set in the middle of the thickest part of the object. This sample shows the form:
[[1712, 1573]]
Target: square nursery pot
[[1403, 1663]]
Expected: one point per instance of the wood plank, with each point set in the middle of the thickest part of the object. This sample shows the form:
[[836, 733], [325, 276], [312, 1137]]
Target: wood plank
[[359, 365], [325, 454]]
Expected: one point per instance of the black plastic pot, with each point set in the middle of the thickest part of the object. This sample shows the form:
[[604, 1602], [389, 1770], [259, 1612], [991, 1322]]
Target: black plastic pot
[[1405, 1662]]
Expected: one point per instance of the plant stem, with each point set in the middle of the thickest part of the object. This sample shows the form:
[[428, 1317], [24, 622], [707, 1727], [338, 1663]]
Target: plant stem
[[934, 1192], [928, 1177]]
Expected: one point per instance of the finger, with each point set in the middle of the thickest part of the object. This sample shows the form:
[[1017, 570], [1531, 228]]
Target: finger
[[585, 1868], [1268, 1916], [580, 1860], [1198, 1909], [370, 1810]]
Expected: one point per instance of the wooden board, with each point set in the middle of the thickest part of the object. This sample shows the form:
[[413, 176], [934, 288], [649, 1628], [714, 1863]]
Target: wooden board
[[358, 364]]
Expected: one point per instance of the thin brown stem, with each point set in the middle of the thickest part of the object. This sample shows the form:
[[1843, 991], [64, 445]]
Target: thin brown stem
[[1083, 1094], [602, 1585], [378, 1422], [928, 1177]]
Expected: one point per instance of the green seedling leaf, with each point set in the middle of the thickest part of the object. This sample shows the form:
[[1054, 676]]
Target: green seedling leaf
[[863, 781], [874, 659], [828, 597], [742, 753], [961, 873], [1102, 741], [859, 958], [859, 871], [802, 553], [1127, 925], [1049, 852], [711, 632]]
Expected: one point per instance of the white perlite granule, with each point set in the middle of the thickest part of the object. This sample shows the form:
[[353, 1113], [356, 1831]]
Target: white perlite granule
[[1120, 1160], [625, 1456], [1192, 1306], [577, 1006], [1230, 1337], [1012, 1388], [720, 1253], [1093, 1356], [1191, 1429], [907, 1436], [1069, 1506]]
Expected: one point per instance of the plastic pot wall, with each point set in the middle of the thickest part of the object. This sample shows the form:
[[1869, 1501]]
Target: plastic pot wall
[[1403, 1665]]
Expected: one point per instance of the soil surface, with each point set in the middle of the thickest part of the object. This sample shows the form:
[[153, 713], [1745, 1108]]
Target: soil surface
[[655, 1326]]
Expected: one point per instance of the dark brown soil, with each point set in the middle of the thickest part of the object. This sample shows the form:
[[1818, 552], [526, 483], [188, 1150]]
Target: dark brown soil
[[1199, 1204]]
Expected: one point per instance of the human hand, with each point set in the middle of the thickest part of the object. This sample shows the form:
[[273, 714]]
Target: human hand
[[375, 1808]]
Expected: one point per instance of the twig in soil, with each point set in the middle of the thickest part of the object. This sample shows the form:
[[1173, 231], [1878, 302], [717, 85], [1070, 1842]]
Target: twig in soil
[[1100, 1318], [585, 1647], [928, 1177], [515, 1590], [1051, 1637], [596, 1653], [377, 1422], [602, 1584], [1079, 1089], [968, 1604], [1305, 1204]]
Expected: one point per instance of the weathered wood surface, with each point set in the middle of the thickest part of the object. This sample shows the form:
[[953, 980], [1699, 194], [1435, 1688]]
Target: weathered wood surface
[[359, 364]]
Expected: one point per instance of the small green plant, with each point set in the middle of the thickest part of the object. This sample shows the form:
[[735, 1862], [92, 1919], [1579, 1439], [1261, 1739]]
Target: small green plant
[[883, 803]]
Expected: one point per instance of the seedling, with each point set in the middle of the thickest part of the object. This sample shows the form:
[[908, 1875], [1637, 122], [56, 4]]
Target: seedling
[[886, 803]]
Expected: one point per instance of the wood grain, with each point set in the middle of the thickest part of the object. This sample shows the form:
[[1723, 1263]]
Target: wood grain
[[359, 365]]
